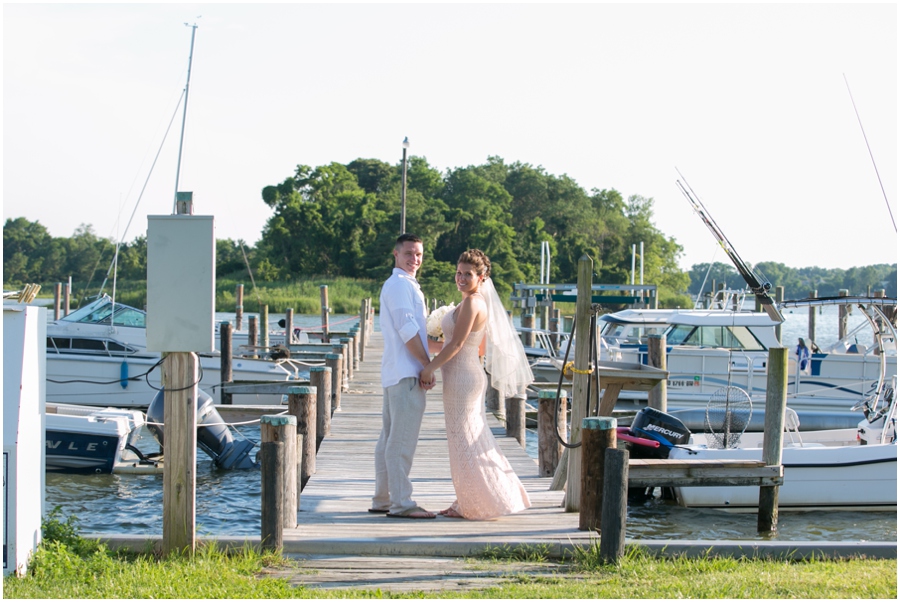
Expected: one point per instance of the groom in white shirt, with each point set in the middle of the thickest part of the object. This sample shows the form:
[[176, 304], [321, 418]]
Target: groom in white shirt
[[402, 316]]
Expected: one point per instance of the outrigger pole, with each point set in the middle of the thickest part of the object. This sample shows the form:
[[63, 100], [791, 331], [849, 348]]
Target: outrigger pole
[[760, 289], [187, 87]]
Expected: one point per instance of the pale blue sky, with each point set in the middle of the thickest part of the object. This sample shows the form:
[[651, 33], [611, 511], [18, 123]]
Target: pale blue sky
[[748, 101]]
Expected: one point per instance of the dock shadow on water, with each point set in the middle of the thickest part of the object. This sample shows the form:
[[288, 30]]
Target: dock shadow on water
[[228, 505]]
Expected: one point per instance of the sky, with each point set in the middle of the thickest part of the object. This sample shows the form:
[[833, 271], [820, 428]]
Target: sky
[[752, 103]]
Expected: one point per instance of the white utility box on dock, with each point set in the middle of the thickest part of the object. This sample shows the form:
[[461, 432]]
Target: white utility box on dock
[[181, 283], [24, 374]]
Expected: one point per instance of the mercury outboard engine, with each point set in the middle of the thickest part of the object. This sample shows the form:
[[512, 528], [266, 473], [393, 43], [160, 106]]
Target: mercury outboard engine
[[213, 436], [651, 434]]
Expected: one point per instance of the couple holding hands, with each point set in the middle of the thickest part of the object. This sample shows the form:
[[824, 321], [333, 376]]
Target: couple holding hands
[[486, 485]]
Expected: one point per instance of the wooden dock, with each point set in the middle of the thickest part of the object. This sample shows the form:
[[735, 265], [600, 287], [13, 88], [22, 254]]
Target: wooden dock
[[334, 517]]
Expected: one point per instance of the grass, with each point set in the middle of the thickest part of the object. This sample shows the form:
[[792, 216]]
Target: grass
[[68, 566]]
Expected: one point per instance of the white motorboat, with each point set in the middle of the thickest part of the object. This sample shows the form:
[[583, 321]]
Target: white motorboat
[[851, 468], [97, 356], [707, 349], [83, 439]]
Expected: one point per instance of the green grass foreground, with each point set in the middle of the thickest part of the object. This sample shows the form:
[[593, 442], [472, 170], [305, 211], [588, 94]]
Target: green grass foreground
[[68, 566]]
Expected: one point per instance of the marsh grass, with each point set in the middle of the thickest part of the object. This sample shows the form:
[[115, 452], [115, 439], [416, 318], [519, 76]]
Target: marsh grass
[[68, 566]]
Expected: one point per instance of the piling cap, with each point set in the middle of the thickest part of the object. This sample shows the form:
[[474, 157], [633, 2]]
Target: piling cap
[[321, 368], [301, 390], [551, 394], [279, 420], [333, 356], [598, 423]]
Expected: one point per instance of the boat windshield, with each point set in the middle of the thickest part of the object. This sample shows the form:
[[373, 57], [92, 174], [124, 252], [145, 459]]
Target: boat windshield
[[99, 312], [725, 337], [620, 333]]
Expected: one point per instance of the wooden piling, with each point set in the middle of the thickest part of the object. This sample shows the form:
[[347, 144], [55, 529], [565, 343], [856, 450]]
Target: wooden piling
[[289, 326], [551, 427], [779, 297], [656, 357], [614, 507], [67, 296], [580, 380], [812, 318], [283, 428], [341, 349], [180, 373], [57, 299], [335, 361], [363, 330], [264, 325], [320, 378], [515, 418], [271, 455], [325, 309], [554, 329], [597, 435], [528, 337], [843, 314], [239, 307], [347, 343], [252, 334], [773, 436], [302, 404], [225, 369]]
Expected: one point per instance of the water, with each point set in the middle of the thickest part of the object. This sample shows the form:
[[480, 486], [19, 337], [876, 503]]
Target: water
[[228, 502]]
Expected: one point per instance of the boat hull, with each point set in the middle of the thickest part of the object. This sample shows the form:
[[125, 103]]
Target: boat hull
[[817, 476]]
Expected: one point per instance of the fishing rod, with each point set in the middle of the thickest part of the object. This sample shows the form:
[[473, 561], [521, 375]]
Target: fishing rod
[[760, 288]]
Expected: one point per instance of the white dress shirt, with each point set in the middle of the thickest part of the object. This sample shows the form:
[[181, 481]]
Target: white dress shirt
[[402, 316]]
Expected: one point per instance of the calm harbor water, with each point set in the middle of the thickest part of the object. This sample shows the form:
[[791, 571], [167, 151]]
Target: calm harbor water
[[228, 502]]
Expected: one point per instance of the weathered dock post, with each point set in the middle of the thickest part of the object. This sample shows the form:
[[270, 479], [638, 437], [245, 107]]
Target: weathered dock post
[[363, 329], [57, 299], [264, 325], [335, 361], [779, 298], [598, 434], [528, 336], [656, 356], [843, 314], [515, 418], [320, 378], [289, 326], [551, 426], [347, 343], [302, 405], [225, 368], [811, 332], [580, 379], [67, 296], [341, 349], [492, 403], [283, 429], [239, 307], [252, 334], [554, 329], [325, 310], [614, 507], [271, 456], [773, 436]]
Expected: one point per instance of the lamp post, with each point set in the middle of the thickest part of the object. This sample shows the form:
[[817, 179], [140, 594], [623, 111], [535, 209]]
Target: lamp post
[[403, 189]]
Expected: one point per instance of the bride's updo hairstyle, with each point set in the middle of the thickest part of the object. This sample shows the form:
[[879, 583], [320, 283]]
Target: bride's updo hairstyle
[[478, 260]]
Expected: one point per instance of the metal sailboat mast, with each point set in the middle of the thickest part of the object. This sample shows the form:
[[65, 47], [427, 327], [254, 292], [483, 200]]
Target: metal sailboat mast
[[187, 88]]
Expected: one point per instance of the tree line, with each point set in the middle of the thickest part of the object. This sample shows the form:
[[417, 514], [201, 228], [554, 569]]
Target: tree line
[[340, 220]]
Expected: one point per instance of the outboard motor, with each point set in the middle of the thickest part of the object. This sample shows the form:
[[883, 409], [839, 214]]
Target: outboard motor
[[213, 436], [651, 434]]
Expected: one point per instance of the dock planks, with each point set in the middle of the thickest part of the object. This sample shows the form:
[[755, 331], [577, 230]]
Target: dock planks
[[334, 517]]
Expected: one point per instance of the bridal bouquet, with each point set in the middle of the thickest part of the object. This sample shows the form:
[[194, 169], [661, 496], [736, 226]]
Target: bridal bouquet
[[433, 322]]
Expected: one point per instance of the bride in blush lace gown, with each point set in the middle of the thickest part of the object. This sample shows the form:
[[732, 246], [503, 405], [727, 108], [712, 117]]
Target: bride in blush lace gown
[[486, 485]]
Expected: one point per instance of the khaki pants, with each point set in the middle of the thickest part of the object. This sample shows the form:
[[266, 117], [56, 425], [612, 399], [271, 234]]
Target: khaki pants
[[404, 407]]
